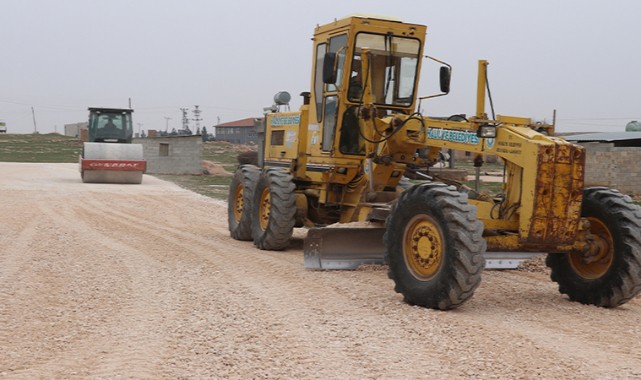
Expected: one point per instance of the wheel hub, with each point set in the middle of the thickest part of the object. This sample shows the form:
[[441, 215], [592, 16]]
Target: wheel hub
[[239, 203], [423, 247], [265, 205], [597, 260]]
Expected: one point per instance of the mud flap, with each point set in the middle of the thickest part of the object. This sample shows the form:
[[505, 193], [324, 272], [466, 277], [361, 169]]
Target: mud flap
[[348, 248], [344, 248]]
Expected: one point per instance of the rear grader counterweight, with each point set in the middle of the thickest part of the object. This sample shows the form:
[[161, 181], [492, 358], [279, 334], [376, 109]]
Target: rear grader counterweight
[[341, 159]]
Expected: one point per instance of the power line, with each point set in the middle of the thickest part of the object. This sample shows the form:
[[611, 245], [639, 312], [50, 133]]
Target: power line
[[602, 118]]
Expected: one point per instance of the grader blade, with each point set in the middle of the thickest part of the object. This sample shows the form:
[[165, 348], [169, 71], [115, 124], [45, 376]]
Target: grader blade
[[507, 260], [344, 248], [348, 248]]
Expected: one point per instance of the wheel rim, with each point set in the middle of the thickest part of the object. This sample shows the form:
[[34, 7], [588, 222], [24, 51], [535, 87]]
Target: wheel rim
[[239, 202], [599, 259], [423, 247], [265, 206]]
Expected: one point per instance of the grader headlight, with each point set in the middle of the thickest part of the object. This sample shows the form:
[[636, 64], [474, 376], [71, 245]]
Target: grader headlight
[[486, 131]]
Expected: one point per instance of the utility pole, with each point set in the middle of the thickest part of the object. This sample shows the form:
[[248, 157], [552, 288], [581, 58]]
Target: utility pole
[[33, 113], [167, 118], [197, 117], [185, 119]]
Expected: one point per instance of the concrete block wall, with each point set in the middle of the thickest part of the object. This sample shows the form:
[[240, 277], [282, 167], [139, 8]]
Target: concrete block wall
[[618, 168], [74, 129], [183, 154]]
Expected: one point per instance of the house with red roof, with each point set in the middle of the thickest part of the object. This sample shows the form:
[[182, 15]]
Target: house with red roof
[[239, 131]]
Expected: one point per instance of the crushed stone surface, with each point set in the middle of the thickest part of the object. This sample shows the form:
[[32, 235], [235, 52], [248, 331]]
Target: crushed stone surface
[[143, 281]]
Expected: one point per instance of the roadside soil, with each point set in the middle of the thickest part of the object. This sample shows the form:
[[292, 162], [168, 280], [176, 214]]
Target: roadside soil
[[143, 281]]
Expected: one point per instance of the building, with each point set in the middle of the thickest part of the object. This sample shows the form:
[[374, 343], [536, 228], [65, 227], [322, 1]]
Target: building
[[73, 130], [239, 131], [172, 154], [612, 160]]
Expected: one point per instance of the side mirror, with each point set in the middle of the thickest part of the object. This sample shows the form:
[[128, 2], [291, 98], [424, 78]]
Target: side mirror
[[445, 77], [329, 68]]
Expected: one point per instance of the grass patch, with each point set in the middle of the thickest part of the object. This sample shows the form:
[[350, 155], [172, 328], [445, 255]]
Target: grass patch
[[49, 147], [216, 187], [491, 188], [224, 153]]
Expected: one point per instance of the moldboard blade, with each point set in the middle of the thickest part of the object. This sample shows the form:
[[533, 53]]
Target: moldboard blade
[[344, 248]]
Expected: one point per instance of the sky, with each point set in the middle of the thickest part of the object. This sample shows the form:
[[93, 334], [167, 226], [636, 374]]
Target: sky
[[57, 58]]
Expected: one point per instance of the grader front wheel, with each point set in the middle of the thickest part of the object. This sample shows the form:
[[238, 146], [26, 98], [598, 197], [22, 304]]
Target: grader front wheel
[[599, 259], [435, 247], [609, 274]]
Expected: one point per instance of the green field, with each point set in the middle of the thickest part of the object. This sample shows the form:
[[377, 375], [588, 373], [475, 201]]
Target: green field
[[49, 147]]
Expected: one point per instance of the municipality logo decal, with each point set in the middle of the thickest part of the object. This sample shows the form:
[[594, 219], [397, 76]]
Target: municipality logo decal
[[489, 142], [463, 137]]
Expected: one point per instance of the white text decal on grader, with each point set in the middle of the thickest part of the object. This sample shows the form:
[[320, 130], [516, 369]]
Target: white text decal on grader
[[109, 156], [340, 160]]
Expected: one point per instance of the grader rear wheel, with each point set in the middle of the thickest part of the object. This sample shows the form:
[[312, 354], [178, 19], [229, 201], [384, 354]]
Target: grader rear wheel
[[274, 209], [435, 247], [241, 195], [609, 274]]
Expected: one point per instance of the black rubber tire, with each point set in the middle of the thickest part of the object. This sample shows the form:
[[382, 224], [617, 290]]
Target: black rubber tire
[[461, 263], [278, 224], [240, 221], [621, 280]]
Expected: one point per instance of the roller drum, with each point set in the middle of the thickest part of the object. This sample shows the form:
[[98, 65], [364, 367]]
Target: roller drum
[[122, 154]]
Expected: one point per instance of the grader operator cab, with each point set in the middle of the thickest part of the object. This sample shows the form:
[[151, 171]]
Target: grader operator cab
[[341, 157], [109, 156]]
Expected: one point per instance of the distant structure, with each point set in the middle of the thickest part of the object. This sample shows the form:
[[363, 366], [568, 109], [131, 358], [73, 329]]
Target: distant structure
[[185, 130], [172, 154], [611, 159], [239, 132], [75, 129], [633, 126], [3, 127], [197, 119]]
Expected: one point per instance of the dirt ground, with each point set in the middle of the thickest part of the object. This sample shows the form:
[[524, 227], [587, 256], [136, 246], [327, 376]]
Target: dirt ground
[[143, 281]]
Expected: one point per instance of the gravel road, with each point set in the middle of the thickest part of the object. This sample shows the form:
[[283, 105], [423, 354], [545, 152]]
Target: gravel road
[[143, 281]]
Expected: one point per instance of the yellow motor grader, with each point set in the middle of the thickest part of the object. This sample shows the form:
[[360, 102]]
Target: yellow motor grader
[[340, 160]]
